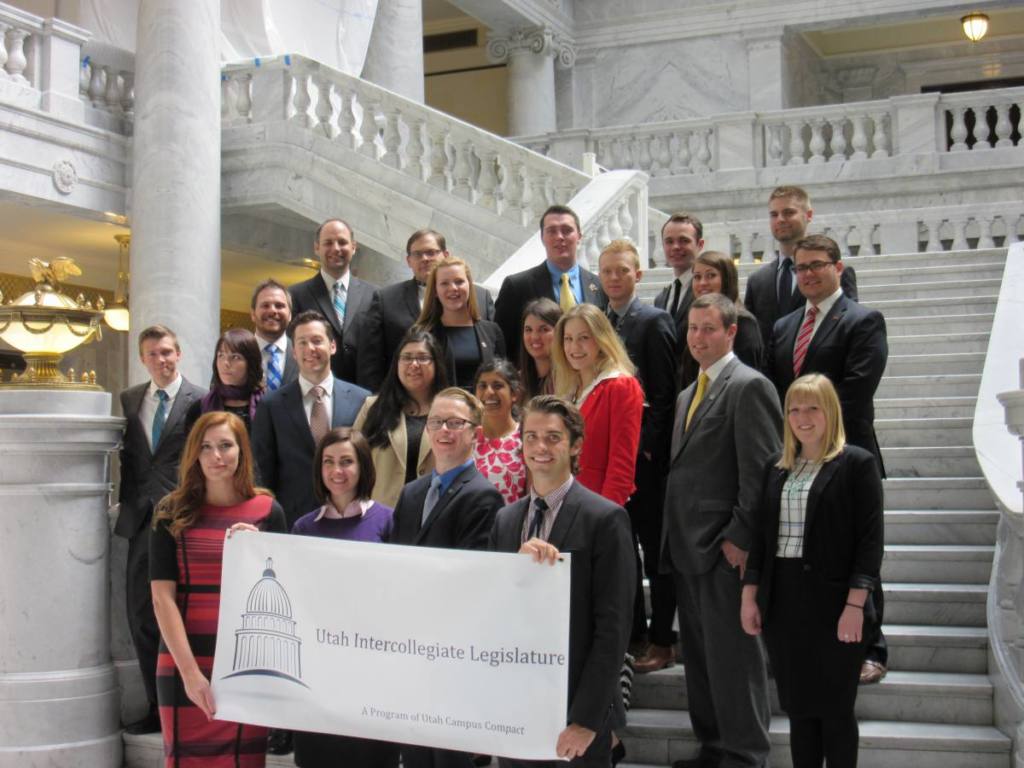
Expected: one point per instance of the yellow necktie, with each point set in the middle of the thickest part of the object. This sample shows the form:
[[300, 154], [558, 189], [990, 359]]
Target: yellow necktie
[[702, 387], [566, 298]]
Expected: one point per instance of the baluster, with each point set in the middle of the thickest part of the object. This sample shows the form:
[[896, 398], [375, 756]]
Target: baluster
[[860, 138], [325, 108], [1003, 127], [392, 140], [604, 235], [225, 99], [632, 156], [959, 130], [346, 118], [643, 155], [111, 94], [538, 194], [16, 61], [683, 155], [128, 95], [368, 128], [934, 242], [980, 129], [880, 139], [959, 234], [747, 247], [626, 222], [838, 142], [97, 85], [654, 151], [512, 192], [592, 253], [660, 155], [817, 144], [414, 147], [243, 96], [773, 155], [3, 50], [603, 151], [1011, 230], [842, 236], [867, 247], [438, 156], [614, 226], [302, 101], [462, 171], [615, 154], [488, 183], [796, 143], [985, 232], [84, 72]]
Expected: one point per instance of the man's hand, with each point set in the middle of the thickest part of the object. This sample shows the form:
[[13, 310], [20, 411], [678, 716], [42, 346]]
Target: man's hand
[[735, 556], [540, 550], [574, 740]]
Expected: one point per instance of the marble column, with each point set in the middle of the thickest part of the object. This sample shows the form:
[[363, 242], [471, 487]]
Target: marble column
[[765, 71], [59, 694], [175, 199], [531, 55], [394, 59]]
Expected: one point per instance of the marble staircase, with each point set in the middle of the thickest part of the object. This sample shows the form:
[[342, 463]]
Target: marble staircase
[[935, 707]]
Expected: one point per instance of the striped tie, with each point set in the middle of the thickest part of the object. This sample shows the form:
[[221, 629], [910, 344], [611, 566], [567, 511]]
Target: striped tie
[[273, 367], [340, 294], [803, 340]]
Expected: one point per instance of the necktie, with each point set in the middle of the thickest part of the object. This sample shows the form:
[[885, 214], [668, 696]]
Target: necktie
[[702, 388], [319, 424], [273, 367], [537, 522], [432, 496], [614, 319], [803, 340], [340, 294], [785, 285], [159, 417], [677, 290], [566, 298]]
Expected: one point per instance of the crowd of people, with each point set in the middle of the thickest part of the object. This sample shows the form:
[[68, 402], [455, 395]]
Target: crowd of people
[[723, 448]]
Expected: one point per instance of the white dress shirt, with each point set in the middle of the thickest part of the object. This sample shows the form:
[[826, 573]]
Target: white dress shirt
[[823, 309]]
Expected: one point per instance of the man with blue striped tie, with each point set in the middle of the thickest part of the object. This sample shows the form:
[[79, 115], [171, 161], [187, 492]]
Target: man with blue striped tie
[[271, 313]]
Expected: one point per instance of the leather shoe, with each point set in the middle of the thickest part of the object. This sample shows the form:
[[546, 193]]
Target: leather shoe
[[657, 657], [872, 671], [148, 724], [279, 742]]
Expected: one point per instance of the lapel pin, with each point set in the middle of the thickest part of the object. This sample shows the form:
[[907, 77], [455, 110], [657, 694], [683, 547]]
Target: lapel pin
[[593, 288]]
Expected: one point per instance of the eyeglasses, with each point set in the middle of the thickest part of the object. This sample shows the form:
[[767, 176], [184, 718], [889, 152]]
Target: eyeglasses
[[453, 425], [420, 359], [428, 253], [814, 266]]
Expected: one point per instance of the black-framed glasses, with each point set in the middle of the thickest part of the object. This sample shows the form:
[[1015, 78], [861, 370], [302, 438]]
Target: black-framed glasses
[[814, 266], [453, 424]]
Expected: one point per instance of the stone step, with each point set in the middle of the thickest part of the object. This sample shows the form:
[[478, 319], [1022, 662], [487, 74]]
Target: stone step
[[932, 461], [909, 325], [937, 493], [932, 697], [941, 526], [937, 649], [938, 563], [924, 407], [981, 270], [659, 737], [930, 307], [941, 385], [960, 605], [912, 261], [924, 364], [897, 433], [917, 288], [938, 343]]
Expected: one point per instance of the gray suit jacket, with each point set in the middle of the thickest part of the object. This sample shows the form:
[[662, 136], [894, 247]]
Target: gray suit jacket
[[714, 479], [312, 294]]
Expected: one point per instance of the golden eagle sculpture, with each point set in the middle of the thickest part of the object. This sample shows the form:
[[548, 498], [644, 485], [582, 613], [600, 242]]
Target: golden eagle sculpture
[[53, 272]]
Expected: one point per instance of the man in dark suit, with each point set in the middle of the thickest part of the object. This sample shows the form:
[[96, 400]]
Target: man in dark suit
[[395, 308], [336, 294], [682, 239], [451, 507], [649, 336], [833, 335], [771, 290], [560, 277], [271, 311], [291, 421], [727, 428], [154, 438], [560, 515]]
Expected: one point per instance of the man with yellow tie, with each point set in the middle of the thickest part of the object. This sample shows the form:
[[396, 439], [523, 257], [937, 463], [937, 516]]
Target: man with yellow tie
[[559, 277], [727, 430]]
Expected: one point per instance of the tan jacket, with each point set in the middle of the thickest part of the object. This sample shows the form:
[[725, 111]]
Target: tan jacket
[[389, 462]]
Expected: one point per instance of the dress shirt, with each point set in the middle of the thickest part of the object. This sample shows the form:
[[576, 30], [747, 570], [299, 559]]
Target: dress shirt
[[308, 398], [448, 477], [356, 508], [793, 508], [823, 309], [149, 404], [716, 367], [554, 501], [610, 373], [281, 344], [574, 281], [330, 281], [421, 291]]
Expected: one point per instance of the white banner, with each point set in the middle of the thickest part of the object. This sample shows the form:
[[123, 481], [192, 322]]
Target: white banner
[[438, 647]]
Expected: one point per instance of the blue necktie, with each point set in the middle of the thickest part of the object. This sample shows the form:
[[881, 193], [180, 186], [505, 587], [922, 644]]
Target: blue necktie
[[273, 367], [340, 294], [432, 496], [159, 417]]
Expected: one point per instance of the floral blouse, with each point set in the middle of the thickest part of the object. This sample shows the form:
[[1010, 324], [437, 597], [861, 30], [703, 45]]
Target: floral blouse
[[500, 460]]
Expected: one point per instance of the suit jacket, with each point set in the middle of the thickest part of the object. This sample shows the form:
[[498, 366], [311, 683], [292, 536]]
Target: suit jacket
[[147, 476], [389, 461], [283, 445], [612, 416], [523, 287], [489, 341], [461, 519], [762, 296], [680, 317], [714, 479], [849, 347], [393, 311], [312, 294], [650, 339], [598, 535]]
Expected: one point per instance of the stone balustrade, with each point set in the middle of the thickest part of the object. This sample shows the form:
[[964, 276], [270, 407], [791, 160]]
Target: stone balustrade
[[983, 119], [107, 83]]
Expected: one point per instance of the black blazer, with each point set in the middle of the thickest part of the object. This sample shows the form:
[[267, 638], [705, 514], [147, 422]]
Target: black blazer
[[147, 476], [598, 535], [650, 339], [844, 532], [849, 347], [489, 341], [312, 294], [393, 311], [523, 287], [680, 317], [461, 519], [283, 445], [762, 296]]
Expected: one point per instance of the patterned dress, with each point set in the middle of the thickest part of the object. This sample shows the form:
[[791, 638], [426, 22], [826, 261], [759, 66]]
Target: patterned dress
[[500, 460], [194, 562]]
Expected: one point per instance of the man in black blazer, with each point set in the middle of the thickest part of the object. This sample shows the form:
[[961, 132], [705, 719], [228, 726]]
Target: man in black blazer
[[271, 311], [559, 277], [771, 290], [336, 294], [451, 507], [649, 336], [154, 437], [560, 515], [395, 308], [290, 421], [682, 239]]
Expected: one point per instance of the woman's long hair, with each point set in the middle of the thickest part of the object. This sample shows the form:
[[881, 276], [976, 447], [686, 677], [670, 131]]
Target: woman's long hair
[[384, 415], [813, 388], [430, 315], [182, 505], [548, 311], [612, 356], [725, 267], [244, 343]]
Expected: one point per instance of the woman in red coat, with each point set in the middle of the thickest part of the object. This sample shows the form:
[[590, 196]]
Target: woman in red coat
[[593, 370]]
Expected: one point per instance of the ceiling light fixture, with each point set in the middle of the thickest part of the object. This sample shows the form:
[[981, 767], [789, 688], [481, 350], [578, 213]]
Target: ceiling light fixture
[[975, 26]]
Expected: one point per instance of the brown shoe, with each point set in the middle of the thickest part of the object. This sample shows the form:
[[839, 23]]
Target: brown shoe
[[657, 657], [870, 672]]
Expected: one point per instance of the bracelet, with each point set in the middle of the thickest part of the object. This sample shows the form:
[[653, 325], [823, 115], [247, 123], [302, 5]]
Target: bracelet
[[854, 605]]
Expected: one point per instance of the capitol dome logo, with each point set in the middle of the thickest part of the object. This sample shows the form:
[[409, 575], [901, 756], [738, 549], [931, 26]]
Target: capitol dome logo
[[267, 643]]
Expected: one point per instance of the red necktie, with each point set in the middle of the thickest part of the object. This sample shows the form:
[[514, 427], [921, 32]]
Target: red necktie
[[803, 340]]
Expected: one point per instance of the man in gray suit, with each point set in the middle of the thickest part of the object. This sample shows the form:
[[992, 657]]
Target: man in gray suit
[[271, 313], [727, 428], [154, 437]]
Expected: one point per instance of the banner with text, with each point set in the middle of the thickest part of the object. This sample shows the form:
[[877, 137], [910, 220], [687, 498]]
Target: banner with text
[[438, 647]]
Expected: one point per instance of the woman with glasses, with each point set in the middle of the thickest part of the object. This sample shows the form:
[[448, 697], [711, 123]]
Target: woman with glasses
[[237, 383], [499, 446], [393, 421], [451, 314], [540, 317]]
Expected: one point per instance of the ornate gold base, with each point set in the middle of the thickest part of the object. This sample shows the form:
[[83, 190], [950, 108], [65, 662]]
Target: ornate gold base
[[42, 372]]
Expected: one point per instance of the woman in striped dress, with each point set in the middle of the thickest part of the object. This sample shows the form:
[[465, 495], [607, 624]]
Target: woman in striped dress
[[215, 491]]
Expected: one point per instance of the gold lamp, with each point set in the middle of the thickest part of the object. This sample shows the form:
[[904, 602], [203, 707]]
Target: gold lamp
[[116, 316], [44, 323], [975, 26]]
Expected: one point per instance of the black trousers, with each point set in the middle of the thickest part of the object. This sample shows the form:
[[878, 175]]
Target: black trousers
[[141, 620], [646, 511], [428, 757], [878, 649], [832, 742]]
